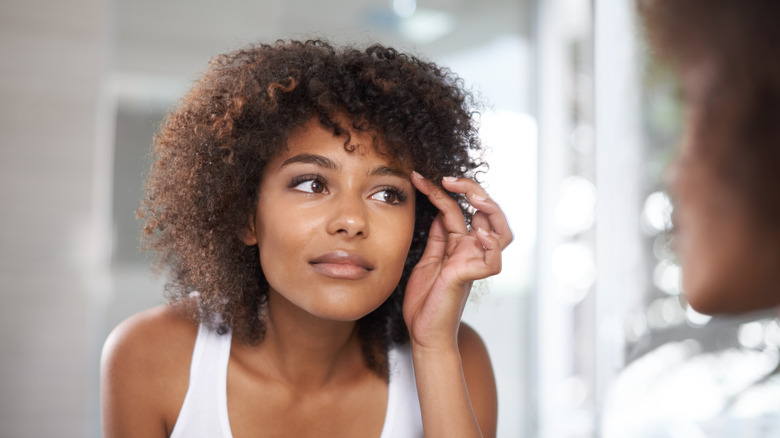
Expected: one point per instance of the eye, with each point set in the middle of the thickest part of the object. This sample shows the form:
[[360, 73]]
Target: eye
[[309, 184], [389, 195]]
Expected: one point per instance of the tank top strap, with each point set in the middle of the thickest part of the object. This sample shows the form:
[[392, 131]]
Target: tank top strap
[[403, 418], [204, 411]]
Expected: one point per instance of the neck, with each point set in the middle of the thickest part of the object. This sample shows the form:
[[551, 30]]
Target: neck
[[306, 351]]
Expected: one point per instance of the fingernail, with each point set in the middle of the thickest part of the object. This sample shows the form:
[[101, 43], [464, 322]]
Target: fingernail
[[450, 178], [416, 175], [482, 232], [478, 197]]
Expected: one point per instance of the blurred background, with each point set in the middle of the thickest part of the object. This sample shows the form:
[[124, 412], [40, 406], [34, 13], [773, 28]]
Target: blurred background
[[580, 123]]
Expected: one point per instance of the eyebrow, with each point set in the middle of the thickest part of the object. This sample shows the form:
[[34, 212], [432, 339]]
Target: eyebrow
[[318, 160], [389, 171], [327, 163]]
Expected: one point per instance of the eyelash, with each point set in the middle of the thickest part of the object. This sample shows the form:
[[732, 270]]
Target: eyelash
[[298, 180], [400, 195]]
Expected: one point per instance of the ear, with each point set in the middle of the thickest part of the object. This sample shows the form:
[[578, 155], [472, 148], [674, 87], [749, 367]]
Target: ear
[[249, 236]]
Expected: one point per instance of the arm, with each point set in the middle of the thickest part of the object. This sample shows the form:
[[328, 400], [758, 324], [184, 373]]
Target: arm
[[454, 378], [457, 389], [144, 373]]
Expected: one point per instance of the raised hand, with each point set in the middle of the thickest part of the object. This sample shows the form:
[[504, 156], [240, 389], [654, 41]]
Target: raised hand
[[454, 257]]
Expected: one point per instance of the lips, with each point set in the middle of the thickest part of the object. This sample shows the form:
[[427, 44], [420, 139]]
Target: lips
[[342, 265]]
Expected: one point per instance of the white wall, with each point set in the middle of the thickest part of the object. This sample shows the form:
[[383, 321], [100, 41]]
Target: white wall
[[52, 55]]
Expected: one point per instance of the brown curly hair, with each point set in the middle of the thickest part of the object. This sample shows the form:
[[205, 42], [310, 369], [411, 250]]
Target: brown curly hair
[[211, 151], [739, 136]]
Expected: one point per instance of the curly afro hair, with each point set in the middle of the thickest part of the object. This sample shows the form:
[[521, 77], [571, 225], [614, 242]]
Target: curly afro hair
[[739, 137], [211, 150]]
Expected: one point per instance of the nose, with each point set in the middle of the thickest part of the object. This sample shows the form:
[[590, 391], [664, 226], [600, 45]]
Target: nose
[[348, 217]]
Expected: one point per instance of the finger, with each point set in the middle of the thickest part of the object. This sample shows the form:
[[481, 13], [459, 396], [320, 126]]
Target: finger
[[492, 255], [480, 220], [452, 216], [466, 186], [437, 240], [477, 256], [479, 198]]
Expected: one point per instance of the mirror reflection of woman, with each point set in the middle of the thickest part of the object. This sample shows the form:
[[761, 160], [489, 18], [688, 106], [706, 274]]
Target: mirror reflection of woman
[[312, 207], [725, 177], [724, 182]]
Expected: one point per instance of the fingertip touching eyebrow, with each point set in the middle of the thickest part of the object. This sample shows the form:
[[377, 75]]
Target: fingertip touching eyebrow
[[327, 163]]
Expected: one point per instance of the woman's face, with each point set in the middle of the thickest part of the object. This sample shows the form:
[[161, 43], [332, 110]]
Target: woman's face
[[333, 226], [728, 265]]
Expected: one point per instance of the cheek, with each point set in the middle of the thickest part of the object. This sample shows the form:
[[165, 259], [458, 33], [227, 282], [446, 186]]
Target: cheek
[[729, 266], [280, 240], [725, 272], [713, 258], [396, 239], [722, 269], [274, 252]]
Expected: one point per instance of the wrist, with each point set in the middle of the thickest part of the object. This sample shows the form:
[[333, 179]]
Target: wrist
[[435, 351]]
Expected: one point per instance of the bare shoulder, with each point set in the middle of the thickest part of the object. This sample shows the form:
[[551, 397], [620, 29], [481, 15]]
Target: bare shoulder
[[144, 371], [142, 336], [480, 380]]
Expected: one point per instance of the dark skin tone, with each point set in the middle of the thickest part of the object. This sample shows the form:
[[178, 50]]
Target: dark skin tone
[[729, 263], [324, 214]]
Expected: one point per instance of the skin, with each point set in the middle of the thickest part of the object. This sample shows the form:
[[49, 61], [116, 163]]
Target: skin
[[362, 201], [332, 248], [729, 265]]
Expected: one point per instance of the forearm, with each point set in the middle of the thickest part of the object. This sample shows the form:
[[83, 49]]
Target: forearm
[[444, 398], [455, 381]]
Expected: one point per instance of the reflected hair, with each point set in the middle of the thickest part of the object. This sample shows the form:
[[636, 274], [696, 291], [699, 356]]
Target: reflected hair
[[739, 134]]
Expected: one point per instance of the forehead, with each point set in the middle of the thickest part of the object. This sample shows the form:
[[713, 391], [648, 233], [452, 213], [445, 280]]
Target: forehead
[[368, 146]]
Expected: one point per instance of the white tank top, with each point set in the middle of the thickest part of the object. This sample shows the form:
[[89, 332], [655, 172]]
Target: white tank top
[[204, 411]]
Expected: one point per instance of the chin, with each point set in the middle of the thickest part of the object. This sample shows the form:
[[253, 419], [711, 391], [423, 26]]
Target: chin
[[731, 295], [702, 302], [341, 315], [338, 310]]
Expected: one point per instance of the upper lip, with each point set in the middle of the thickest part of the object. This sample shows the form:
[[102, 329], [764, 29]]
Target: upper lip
[[343, 258]]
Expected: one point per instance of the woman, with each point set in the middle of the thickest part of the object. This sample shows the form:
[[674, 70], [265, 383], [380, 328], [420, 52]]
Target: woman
[[725, 180], [726, 210], [311, 205]]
